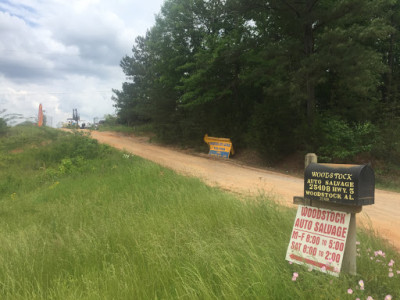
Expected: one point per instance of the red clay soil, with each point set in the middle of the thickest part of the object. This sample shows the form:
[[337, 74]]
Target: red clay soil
[[383, 216]]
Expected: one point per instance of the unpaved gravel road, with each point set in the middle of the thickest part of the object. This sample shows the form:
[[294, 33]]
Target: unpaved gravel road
[[384, 215]]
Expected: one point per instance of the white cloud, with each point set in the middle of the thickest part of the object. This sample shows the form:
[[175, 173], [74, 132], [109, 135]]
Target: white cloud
[[66, 54]]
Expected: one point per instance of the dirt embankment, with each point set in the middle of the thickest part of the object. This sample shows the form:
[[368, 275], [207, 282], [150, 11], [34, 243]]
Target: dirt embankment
[[383, 216]]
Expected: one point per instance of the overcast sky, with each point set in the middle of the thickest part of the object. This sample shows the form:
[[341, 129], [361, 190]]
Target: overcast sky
[[65, 54]]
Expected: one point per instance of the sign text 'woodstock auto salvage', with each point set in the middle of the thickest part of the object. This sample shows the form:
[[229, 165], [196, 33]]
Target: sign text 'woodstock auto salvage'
[[319, 238]]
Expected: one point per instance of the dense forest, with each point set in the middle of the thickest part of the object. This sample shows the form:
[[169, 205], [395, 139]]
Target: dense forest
[[278, 76]]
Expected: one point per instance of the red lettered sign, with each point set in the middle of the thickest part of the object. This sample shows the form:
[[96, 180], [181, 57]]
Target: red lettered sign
[[319, 238]]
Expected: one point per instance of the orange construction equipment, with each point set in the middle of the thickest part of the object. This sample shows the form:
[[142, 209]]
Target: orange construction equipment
[[40, 116], [220, 147]]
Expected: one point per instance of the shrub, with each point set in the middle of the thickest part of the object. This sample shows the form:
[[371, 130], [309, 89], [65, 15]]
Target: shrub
[[341, 141], [3, 126], [71, 147], [387, 145]]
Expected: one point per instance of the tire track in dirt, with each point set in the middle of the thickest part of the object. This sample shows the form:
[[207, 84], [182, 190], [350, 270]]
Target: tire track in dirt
[[383, 217]]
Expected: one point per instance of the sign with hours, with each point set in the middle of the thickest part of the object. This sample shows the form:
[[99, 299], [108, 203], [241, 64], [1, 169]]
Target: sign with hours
[[319, 238]]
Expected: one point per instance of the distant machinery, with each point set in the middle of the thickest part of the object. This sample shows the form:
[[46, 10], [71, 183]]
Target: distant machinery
[[74, 121], [75, 115]]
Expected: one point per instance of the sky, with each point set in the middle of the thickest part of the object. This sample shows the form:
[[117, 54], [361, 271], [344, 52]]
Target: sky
[[65, 54]]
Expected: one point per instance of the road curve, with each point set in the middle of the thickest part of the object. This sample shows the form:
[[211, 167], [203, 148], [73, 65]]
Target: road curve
[[383, 216]]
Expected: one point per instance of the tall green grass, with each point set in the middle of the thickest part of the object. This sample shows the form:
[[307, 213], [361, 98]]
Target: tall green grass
[[102, 224]]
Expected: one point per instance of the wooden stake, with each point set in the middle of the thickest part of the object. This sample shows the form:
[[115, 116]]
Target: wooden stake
[[310, 158]]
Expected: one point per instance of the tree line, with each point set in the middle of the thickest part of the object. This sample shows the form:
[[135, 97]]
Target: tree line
[[278, 76]]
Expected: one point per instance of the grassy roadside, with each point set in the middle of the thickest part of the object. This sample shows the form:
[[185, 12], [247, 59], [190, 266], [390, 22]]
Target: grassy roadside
[[80, 220]]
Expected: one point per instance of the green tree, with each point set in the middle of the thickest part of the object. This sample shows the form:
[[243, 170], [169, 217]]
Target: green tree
[[3, 126], [10, 118], [261, 72], [390, 51]]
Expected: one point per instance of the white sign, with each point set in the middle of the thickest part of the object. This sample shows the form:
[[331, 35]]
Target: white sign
[[319, 238]]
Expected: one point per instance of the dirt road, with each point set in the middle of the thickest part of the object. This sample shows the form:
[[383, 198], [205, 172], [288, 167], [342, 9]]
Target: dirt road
[[384, 215]]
